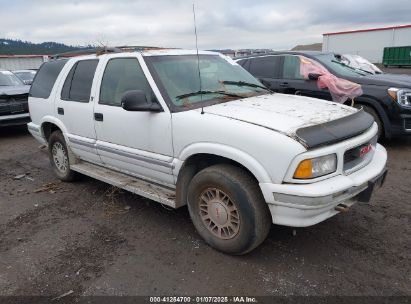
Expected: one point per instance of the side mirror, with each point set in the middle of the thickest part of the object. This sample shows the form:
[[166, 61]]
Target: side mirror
[[313, 76], [28, 82], [135, 100]]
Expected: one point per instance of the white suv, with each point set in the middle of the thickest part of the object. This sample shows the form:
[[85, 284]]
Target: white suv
[[199, 130]]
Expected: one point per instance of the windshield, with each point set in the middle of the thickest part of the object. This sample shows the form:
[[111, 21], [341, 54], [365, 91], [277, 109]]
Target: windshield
[[221, 80], [9, 79], [29, 75], [333, 63], [360, 63]]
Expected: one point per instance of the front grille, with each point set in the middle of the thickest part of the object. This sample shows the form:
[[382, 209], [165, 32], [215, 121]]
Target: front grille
[[407, 123], [14, 104], [360, 156], [17, 97]]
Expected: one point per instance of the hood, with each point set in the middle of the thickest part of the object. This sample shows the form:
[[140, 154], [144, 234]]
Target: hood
[[14, 90], [282, 113], [392, 80], [311, 122]]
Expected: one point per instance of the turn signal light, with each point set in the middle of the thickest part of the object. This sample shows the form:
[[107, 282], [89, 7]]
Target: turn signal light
[[304, 169]]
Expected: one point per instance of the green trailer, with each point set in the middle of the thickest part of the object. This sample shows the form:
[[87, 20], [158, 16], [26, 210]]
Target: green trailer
[[398, 56]]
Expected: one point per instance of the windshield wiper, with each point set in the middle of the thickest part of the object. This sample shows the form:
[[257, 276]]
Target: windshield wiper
[[201, 92], [245, 84], [365, 71], [350, 67]]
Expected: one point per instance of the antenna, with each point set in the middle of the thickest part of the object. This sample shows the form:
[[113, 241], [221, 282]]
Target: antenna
[[198, 58]]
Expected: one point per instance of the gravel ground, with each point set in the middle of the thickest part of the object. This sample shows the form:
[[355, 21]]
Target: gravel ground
[[393, 70], [91, 239]]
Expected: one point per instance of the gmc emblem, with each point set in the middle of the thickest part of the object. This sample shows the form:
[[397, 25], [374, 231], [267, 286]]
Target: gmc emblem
[[364, 150]]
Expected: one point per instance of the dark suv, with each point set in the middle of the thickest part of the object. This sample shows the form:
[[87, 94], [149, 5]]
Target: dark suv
[[386, 97], [14, 108]]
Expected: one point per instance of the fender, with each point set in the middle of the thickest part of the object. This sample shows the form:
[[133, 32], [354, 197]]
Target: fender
[[224, 151]]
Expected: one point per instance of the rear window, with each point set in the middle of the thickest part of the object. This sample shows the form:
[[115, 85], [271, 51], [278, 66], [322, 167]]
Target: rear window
[[46, 77], [77, 86]]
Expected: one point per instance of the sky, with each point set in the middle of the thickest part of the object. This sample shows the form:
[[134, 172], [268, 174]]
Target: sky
[[277, 24]]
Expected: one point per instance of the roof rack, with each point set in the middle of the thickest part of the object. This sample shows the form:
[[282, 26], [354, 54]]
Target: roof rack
[[106, 50], [136, 48], [74, 53]]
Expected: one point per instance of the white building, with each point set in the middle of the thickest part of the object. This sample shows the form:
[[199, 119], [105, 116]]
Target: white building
[[369, 43], [21, 62]]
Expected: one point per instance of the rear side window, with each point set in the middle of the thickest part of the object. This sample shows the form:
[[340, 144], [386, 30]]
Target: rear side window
[[77, 86], [264, 67], [45, 78]]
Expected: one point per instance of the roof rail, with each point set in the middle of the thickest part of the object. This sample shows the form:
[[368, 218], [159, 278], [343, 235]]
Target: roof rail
[[105, 50], [87, 51], [139, 48]]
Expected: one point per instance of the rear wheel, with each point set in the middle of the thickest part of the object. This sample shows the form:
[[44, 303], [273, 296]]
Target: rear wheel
[[228, 209], [59, 157]]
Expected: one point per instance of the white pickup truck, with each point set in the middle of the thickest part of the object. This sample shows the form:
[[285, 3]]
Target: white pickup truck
[[181, 128]]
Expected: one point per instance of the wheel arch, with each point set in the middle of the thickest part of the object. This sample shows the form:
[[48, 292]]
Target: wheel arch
[[49, 125], [378, 108], [201, 157]]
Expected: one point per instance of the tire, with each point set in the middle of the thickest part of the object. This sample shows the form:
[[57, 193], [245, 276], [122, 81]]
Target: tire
[[228, 209], [59, 157], [376, 117]]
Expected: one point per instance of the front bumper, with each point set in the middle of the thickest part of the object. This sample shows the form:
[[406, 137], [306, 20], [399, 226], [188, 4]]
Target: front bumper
[[302, 205], [14, 119]]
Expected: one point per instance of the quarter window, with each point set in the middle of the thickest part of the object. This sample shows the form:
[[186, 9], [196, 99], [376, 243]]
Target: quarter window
[[77, 86], [122, 75], [45, 78], [245, 64]]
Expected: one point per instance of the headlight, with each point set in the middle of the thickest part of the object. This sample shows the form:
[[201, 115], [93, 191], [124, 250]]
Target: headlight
[[315, 167], [401, 96]]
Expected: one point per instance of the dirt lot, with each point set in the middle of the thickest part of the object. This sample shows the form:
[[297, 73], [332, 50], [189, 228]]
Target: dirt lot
[[394, 70], [94, 240]]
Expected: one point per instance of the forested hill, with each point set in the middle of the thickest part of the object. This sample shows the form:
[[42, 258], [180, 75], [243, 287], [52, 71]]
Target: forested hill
[[18, 47]]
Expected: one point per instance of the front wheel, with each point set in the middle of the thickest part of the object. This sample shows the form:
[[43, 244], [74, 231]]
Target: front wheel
[[376, 117], [228, 209], [59, 157]]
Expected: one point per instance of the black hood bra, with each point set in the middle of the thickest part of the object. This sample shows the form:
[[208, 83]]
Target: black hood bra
[[336, 130]]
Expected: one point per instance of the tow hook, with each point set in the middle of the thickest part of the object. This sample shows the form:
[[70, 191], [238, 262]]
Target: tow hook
[[342, 208]]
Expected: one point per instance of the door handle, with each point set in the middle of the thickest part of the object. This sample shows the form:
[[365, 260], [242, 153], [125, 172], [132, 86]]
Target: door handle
[[60, 111], [284, 84], [98, 116]]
